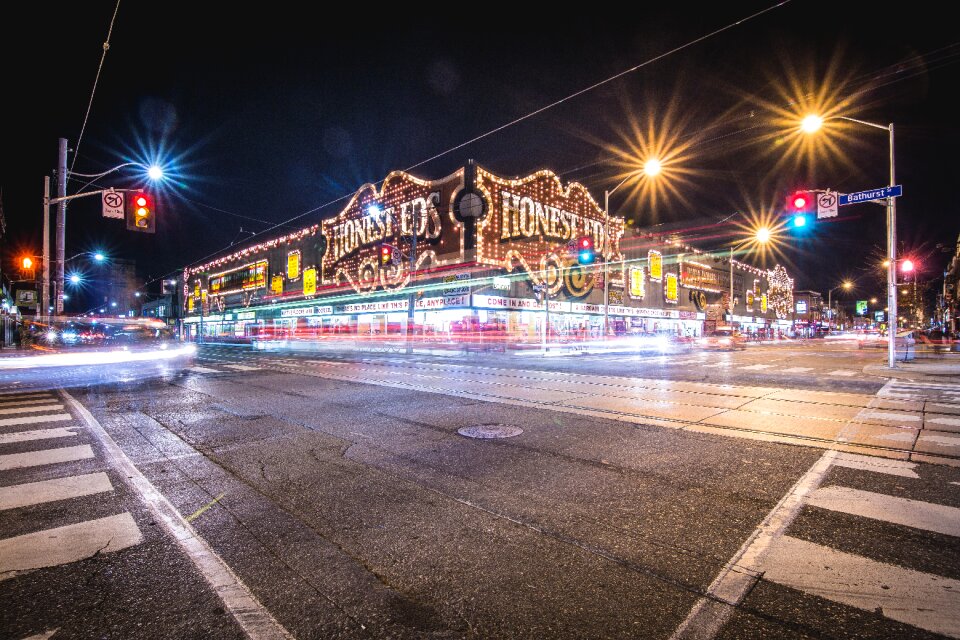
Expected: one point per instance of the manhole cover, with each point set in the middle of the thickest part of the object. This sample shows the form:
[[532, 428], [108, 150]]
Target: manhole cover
[[490, 431]]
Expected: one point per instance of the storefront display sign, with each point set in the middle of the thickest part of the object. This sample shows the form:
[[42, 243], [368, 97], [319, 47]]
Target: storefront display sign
[[636, 283], [655, 259], [374, 307], [671, 292], [501, 302], [309, 282]]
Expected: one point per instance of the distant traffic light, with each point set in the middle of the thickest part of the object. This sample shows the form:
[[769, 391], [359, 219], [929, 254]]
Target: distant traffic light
[[140, 213], [585, 252], [28, 268], [801, 207], [386, 254]]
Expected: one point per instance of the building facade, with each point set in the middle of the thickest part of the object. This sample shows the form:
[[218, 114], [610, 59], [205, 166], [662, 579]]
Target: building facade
[[474, 252]]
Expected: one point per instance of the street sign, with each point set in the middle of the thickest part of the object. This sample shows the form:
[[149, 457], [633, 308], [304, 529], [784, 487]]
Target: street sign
[[112, 204], [861, 307], [871, 194], [827, 205]]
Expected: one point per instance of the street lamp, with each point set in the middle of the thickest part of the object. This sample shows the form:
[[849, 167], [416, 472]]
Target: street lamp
[[651, 168], [811, 124], [846, 285]]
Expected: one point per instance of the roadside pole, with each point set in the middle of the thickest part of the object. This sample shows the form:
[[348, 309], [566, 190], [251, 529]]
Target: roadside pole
[[61, 225], [45, 285]]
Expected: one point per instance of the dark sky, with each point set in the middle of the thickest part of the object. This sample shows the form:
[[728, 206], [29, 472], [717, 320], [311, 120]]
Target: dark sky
[[264, 116]]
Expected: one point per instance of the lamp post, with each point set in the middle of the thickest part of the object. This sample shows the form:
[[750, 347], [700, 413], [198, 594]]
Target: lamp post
[[846, 285], [811, 124], [154, 173], [651, 168]]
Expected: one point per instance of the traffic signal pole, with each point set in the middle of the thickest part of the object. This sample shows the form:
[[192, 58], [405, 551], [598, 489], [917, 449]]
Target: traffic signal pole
[[892, 267], [61, 224]]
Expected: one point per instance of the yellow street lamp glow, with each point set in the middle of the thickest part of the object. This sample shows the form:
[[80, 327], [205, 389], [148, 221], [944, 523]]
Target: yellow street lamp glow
[[652, 167], [763, 235], [847, 284], [811, 123]]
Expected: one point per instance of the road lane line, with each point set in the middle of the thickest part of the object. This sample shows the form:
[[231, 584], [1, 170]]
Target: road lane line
[[877, 465], [38, 434], [878, 506], [42, 407], [203, 370], [23, 495], [241, 367], [741, 572], [52, 417], [916, 598], [63, 545], [46, 456], [796, 370], [253, 617]]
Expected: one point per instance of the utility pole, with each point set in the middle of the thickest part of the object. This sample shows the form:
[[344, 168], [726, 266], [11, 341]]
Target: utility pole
[[45, 285], [61, 223], [412, 298]]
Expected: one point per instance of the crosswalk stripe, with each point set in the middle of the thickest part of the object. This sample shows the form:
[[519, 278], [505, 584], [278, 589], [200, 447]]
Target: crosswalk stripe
[[23, 495], [40, 407], [916, 598], [46, 456], [755, 367], [241, 367], [877, 465], [28, 395], [202, 370], [23, 403], [796, 370], [842, 372], [71, 543], [879, 506], [37, 434], [51, 417], [947, 422]]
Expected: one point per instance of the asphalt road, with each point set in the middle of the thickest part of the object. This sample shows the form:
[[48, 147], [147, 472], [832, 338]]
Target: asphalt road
[[768, 492]]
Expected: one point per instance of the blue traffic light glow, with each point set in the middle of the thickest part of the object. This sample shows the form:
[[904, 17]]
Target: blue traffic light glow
[[586, 257], [800, 221]]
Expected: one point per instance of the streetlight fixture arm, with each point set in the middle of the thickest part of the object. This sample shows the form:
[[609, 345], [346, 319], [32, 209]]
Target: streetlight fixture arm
[[108, 171]]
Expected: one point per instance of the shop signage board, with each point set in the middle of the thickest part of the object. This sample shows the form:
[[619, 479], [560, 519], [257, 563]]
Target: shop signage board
[[636, 283], [446, 302], [861, 307], [500, 283], [388, 306], [655, 260], [314, 310], [502, 302]]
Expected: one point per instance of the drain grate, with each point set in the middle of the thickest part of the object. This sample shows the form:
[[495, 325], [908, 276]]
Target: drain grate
[[487, 431]]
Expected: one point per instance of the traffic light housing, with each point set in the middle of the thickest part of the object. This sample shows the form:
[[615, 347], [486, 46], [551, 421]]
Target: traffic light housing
[[801, 207], [386, 254], [585, 251], [28, 268], [141, 214]]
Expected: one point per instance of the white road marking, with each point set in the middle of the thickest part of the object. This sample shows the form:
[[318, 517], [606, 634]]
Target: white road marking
[[23, 403], [951, 422], [796, 370], [755, 367], [886, 415], [947, 442], [877, 465], [843, 372], [46, 456], [252, 617], [71, 543], [878, 506], [202, 370], [42, 407], [38, 434], [22, 495], [44, 635], [7, 395], [241, 367], [738, 576], [52, 417], [916, 598]]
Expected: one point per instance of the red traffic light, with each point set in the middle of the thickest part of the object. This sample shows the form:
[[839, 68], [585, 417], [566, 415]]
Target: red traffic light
[[586, 242], [140, 214], [800, 202], [386, 254]]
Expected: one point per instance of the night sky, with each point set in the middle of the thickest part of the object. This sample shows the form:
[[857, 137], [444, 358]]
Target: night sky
[[262, 117]]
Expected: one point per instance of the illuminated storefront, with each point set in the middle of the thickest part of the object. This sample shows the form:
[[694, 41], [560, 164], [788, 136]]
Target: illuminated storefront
[[488, 250]]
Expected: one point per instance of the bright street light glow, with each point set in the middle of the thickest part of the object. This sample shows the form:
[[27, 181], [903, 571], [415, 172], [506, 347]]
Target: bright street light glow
[[811, 124], [75, 279], [136, 293], [99, 257], [763, 235], [652, 167], [847, 284], [155, 172], [373, 211], [907, 266], [113, 304]]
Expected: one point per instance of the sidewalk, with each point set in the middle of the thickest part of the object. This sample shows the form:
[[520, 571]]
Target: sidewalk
[[946, 366]]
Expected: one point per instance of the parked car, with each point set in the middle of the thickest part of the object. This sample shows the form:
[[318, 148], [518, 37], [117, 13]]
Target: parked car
[[723, 339]]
